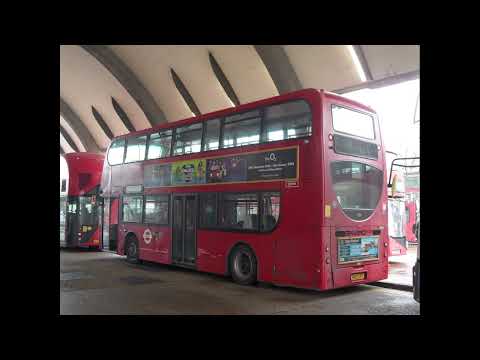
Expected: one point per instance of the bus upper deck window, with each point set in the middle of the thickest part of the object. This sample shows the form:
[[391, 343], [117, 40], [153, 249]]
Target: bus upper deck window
[[287, 121], [212, 135], [136, 148], [242, 129], [115, 154], [159, 144], [188, 139]]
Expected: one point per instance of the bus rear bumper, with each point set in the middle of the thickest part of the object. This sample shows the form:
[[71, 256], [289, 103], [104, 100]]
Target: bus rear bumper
[[356, 275]]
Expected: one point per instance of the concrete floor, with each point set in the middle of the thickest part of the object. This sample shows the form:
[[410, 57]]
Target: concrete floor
[[104, 283], [400, 268]]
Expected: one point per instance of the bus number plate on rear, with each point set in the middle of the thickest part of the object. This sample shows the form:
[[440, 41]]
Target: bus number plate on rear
[[357, 276]]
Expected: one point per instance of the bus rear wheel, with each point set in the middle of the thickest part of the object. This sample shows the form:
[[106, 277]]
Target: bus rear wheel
[[131, 250], [243, 266]]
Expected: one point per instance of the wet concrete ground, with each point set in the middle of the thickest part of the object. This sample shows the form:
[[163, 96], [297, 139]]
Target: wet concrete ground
[[400, 268], [104, 283]]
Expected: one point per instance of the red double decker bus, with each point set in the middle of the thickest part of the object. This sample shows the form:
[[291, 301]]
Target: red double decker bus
[[79, 201], [289, 190], [411, 214], [412, 204]]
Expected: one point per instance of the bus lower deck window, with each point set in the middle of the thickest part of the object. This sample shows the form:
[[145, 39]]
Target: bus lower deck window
[[156, 209], [132, 208], [239, 211]]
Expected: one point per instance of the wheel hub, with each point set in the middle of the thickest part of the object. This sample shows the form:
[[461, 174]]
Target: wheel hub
[[243, 265]]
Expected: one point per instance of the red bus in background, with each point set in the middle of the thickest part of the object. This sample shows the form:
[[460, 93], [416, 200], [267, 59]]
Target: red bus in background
[[397, 213], [412, 205], [79, 201], [411, 221], [288, 190]]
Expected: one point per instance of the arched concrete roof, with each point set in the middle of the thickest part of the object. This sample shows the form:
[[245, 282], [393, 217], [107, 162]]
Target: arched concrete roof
[[73, 135], [132, 87]]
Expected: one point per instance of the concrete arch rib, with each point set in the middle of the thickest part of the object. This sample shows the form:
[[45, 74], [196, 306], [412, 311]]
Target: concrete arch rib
[[278, 65], [68, 139], [128, 80], [77, 125]]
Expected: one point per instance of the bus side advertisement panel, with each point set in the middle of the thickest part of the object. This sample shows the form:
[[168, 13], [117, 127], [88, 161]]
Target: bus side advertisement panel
[[279, 164]]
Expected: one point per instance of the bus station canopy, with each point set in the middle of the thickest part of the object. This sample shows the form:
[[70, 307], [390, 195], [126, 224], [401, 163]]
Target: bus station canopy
[[110, 90]]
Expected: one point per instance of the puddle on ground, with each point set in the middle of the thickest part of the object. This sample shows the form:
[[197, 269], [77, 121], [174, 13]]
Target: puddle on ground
[[75, 275], [138, 280]]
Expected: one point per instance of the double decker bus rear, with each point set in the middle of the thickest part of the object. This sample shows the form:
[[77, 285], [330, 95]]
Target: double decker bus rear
[[355, 195], [288, 190], [79, 200]]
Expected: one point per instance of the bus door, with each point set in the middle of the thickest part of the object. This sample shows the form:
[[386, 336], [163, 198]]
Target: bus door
[[184, 229], [112, 222]]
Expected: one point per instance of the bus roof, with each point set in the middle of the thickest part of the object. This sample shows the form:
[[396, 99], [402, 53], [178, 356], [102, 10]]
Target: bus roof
[[82, 156], [303, 93]]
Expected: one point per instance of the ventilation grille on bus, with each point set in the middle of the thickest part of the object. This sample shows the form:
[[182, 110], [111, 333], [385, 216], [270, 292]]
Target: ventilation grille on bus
[[349, 146]]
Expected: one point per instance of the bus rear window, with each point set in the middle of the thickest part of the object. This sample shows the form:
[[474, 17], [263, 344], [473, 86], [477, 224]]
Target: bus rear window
[[357, 188], [352, 122]]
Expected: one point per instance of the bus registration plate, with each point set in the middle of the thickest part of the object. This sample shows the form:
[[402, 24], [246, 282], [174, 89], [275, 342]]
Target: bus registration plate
[[357, 276]]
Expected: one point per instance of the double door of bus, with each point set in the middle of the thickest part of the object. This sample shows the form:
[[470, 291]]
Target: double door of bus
[[184, 229], [109, 221]]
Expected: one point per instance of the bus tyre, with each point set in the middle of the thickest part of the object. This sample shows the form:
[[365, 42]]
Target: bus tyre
[[131, 250], [243, 265]]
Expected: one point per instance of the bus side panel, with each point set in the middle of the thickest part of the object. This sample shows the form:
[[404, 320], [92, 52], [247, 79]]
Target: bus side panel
[[297, 265], [213, 248], [156, 248], [162, 236], [325, 279], [298, 245]]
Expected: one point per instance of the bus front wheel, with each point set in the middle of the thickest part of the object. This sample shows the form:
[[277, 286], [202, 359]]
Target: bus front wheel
[[243, 266], [131, 250]]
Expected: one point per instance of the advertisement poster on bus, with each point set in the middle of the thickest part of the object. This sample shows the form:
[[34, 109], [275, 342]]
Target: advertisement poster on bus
[[189, 172], [357, 248], [229, 169], [271, 165]]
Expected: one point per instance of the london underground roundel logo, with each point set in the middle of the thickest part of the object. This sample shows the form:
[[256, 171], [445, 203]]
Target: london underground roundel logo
[[147, 236]]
